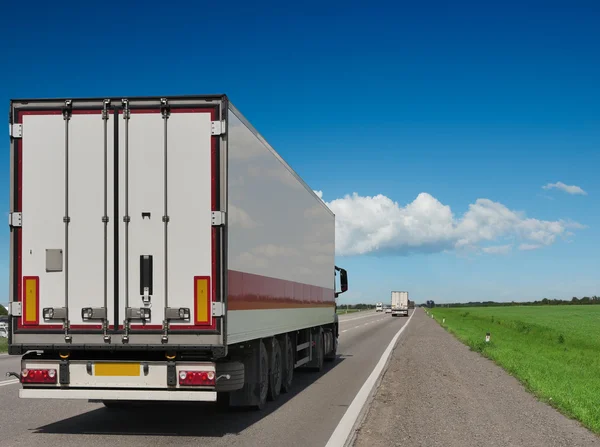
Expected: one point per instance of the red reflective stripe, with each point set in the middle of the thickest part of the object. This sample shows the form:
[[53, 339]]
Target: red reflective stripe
[[251, 292]]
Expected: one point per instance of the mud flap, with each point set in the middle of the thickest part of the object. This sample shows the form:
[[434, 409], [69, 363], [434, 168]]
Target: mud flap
[[249, 394]]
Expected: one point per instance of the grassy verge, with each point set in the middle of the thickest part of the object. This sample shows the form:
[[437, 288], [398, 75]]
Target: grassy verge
[[3, 345], [552, 350]]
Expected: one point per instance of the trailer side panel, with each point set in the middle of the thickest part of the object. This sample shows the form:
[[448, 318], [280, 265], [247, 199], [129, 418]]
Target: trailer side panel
[[281, 242]]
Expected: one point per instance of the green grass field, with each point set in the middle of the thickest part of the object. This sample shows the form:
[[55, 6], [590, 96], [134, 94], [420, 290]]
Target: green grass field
[[3, 345], [553, 350]]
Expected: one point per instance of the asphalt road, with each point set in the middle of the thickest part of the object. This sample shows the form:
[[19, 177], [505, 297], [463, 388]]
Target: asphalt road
[[307, 416], [436, 392]]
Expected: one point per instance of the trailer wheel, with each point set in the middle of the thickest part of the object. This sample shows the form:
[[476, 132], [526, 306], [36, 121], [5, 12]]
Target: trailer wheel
[[333, 354], [276, 371], [319, 352], [288, 365], [263, 377]]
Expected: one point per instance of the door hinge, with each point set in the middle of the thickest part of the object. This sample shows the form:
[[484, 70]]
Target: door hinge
[[15, 220], [218, 309], [15, 130], [217, 127], [14, 309], [218, 218]]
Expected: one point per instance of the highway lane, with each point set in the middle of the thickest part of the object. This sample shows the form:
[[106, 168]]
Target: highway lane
[[8, 363], [308, 415]]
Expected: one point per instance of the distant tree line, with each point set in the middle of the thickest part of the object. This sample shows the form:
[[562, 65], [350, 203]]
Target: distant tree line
[[361, 306], [429, 304], [3, 310], [586, 300]]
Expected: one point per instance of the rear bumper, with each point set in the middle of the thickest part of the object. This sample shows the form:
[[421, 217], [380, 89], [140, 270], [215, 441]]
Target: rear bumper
[[138, 395]]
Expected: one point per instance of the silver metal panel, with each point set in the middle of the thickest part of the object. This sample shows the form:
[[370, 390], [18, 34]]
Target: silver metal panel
[[86, 208], [54, 260], [15, 219], [15, 308], [247, 325], [150, 395], [135, 339], [217, 127], [12, 189], [16, 130], [44, 163], [218, 218], [277, 226], [146, 192], [188, 203], [43, 191], [264, 143], [218, 309]]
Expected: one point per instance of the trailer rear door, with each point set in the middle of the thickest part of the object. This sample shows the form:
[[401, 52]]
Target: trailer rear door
[[115, 221]]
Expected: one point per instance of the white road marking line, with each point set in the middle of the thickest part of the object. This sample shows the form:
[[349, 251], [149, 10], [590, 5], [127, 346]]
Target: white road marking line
[[9, 382], [347, 425], [357, 318], [359, 325]]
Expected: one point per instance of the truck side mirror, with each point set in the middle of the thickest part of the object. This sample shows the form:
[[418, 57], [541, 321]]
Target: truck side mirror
[[343, 281]]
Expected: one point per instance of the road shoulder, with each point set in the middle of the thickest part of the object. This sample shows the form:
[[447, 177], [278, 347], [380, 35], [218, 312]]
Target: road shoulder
[[438, 392]]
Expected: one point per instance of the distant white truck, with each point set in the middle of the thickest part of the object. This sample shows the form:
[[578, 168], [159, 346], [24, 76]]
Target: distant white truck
[[379, 307], [399, 304]]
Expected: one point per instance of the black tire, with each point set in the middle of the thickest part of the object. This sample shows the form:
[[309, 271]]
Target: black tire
[[332, 356], [263, 377], [275, 371], [236, 372], [288, 367], [319, 352]]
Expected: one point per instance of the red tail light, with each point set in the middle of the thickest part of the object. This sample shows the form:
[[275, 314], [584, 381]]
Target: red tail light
[[38, 376], [197, 378]]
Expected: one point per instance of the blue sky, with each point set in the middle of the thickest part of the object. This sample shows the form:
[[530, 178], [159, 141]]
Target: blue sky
[[463, 102]]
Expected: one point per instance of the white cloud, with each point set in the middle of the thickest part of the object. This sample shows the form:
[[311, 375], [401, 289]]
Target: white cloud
[[570, 189], [527, 247], [498, 249], [319, 194], [379, 225]]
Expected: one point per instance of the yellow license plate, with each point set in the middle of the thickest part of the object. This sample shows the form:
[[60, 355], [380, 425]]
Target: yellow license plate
[[117, 369]]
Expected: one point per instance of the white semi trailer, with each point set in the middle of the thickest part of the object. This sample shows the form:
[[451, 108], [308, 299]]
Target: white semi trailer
[[162, 250], [399, 304]]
